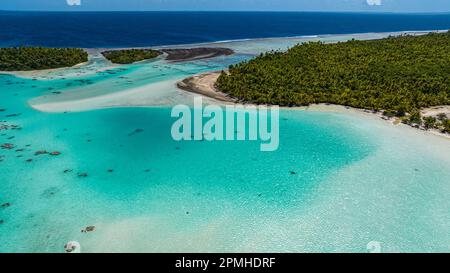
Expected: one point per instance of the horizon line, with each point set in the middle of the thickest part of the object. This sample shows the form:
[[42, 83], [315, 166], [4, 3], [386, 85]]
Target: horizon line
[[237, 11]]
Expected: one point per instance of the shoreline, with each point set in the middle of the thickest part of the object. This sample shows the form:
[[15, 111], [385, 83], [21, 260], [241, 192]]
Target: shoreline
[[33, 73], [204, 84], [138, 98], [171, 55]]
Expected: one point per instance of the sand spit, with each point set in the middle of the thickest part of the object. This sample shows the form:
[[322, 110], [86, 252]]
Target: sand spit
[[204, 84]]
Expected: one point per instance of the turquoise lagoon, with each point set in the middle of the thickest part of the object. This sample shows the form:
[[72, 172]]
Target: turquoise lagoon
[[340, 179]]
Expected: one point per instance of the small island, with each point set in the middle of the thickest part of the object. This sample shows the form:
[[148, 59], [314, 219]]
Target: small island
[[129, 56], [40, 58], [398, 76]]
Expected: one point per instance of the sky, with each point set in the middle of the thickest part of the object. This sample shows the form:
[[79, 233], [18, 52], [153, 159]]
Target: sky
[[231, 5]]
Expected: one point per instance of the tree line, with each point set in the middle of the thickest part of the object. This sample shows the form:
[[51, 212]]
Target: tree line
[[128, 56], [37, 58]]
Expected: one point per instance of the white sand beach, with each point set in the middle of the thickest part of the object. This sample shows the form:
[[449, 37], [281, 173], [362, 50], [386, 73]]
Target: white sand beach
[[157, 94]]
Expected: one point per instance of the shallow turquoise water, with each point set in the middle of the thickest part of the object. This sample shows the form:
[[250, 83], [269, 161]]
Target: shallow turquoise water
[[357, 179]]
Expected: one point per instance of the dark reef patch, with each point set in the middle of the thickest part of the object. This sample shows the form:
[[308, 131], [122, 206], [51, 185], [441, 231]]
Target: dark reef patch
[[190, 54]]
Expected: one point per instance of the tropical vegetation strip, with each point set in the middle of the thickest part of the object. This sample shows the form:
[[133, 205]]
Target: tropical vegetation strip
[[39, 58], [397, 75], [129, 56]]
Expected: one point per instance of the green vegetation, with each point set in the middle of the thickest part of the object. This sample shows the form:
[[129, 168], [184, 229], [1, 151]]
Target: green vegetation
[[37, 58], [439, 122], [397, 74], [445, 127], [415, 118], [129, 56], [429, 122]]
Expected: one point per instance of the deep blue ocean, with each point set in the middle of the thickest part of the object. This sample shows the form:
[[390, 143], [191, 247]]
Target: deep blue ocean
[[124, 29]]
